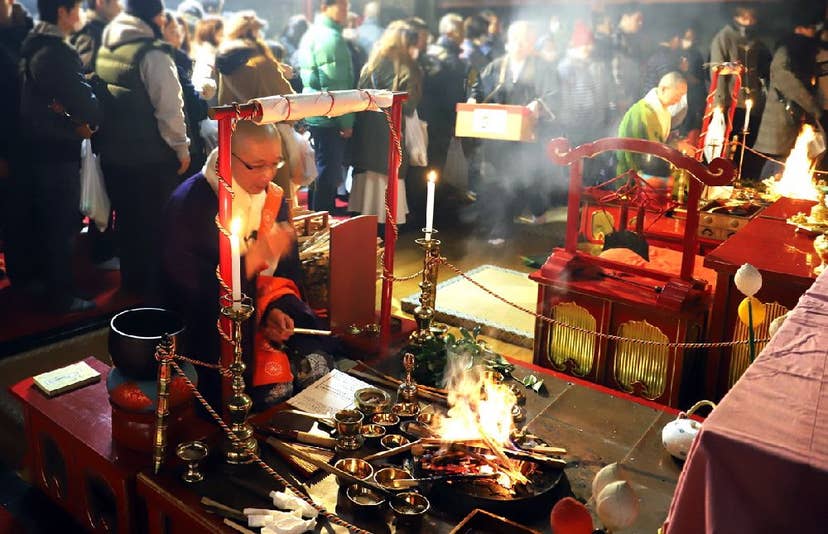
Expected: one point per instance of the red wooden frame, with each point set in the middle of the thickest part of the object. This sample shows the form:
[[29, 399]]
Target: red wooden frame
[[720, 171], [226, 115]]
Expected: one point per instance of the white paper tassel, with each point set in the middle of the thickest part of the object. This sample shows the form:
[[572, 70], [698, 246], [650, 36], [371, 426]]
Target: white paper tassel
[[288, 500]]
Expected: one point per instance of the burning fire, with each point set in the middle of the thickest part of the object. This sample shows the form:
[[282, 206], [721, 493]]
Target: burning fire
[[797, 179], [481, 411]]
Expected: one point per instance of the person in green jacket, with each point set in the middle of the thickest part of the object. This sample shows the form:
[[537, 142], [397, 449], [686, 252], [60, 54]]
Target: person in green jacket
[[650, 119], [325, 65]]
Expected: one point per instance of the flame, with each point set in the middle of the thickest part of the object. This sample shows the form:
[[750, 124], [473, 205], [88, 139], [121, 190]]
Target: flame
[[797, 180], [480, 409]]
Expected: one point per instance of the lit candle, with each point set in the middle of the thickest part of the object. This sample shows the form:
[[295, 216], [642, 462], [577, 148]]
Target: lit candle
[[748, 107], [235, 263], [429, 227]]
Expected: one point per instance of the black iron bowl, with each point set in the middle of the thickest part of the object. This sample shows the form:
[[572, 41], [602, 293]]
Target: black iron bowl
[[133, 336]]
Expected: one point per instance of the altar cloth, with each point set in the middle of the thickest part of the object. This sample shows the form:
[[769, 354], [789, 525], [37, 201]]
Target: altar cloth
[[760, 463]]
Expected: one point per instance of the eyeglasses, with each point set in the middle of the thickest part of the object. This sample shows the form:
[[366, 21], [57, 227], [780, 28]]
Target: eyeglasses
[[264, 167]]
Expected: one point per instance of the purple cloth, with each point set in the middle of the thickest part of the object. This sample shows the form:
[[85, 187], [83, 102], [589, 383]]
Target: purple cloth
[[760, 462]]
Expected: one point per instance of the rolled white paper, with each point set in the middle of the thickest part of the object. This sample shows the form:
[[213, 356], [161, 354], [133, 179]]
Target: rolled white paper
[[327, 104]]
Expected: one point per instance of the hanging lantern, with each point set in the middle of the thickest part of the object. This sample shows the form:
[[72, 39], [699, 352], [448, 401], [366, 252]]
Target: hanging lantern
[[748, 280], [758, 311]]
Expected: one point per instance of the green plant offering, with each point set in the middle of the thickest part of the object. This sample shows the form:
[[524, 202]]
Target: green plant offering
[[503, 366]]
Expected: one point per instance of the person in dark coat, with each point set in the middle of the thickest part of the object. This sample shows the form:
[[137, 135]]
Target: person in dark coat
[[792, 98], [88, 39], [392, 67], [57, 110], [15, 23], [278, 362], [475, 30], [519, 78], [143, 144], [195, 108], [739, 41]]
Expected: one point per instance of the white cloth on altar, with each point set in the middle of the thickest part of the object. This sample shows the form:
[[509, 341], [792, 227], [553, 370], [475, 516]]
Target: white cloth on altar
[[368, 196]]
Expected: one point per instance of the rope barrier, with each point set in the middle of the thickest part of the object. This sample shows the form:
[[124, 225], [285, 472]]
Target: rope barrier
[[611, 337], [333, 518], [768, 158]]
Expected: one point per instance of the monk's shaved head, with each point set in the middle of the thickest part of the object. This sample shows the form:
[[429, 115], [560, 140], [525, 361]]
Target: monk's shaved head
[[248, 132]]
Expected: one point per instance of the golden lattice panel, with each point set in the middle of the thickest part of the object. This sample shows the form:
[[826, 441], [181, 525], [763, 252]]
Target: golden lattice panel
[[641, 362], [565, 344], [740, 354]]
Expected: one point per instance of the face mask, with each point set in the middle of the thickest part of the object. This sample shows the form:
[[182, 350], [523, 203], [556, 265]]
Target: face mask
[[686, 44], [745, 31]]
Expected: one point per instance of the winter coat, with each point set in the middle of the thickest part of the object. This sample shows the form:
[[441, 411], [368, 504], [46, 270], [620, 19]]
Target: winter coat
[[444, 86], [152, 80], [195, 109], [11, 38], [246, 72], [369, 144], [87, 41], [627, 67], [789, 82], [325, 65], [51, 73], [731, 44], [538, 80], [585, 99]]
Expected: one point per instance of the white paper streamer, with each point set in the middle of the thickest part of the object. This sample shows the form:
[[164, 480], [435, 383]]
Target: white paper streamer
[[328, 104], [288, 500]]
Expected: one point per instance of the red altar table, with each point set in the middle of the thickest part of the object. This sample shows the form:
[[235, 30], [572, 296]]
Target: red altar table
[[760, 462], [71, 456], [786, 260]]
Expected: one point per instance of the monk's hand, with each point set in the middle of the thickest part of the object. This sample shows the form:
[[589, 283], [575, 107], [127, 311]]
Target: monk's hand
[[278, 326], [268, 247]]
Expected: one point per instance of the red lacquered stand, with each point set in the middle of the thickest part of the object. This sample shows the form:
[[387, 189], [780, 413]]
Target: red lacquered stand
[[636, 301]]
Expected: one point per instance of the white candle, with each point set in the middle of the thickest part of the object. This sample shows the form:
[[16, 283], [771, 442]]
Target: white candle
[[235, 263], [748, 107], [429, 227]]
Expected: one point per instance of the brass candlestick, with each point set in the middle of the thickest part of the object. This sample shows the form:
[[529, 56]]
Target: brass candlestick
[[424, 313], [163, 353], [241, 449]]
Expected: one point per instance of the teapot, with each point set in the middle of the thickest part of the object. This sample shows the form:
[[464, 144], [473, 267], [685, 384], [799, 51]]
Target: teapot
[[677, 436]]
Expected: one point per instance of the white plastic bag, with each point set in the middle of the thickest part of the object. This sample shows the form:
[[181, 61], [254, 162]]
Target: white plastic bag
[[94, 201], [456, 169], [416, 140], [714, 141], [308, 157]]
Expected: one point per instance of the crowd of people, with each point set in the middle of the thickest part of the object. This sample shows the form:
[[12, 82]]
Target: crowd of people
[[137, 80]]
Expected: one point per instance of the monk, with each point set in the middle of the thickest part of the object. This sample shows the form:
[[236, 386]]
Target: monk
[[279, 362]]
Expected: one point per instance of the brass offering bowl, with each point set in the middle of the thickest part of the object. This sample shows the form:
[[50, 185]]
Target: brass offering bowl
[[372, 400], [354, 466], [392, 441], [364, 499], [373, 431], [429, 419], [406, 410], [386, 476], [388, 420], [410, 506]]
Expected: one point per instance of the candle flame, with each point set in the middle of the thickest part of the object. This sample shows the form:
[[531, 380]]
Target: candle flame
[[235, 226], [432, 176]]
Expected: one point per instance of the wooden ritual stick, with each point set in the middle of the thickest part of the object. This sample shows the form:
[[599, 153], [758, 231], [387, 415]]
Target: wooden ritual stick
[[312, 332], [544, 449], [223, 509], [238, 528], [392, 452]]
